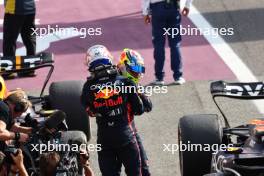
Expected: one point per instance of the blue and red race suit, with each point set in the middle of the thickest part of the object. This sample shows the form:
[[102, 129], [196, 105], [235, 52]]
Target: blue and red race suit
[[114, 101]]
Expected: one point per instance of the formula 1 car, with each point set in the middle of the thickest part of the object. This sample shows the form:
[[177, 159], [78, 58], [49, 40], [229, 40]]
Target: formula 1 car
[[240, 150], [63, 95]]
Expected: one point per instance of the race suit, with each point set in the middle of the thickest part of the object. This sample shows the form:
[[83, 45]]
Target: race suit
[[144, 159], [114, 111]]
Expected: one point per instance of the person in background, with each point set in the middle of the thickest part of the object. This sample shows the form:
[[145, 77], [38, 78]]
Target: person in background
[[165, 14], [49, 162], [18, 168], [19, 18], [84, 157]]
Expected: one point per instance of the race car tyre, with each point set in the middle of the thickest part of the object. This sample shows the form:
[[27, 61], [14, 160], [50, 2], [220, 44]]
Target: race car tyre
[[65, 96], [198, 135]]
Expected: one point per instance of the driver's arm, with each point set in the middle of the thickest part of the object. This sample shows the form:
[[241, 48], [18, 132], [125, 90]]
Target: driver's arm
[[21, 129], [5, 135], [135, 100]]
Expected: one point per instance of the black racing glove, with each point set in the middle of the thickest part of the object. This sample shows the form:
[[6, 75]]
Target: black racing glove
[[146, 102]]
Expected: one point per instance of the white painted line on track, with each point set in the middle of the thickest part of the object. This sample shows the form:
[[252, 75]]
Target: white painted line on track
[[226, 53], [44, 42]]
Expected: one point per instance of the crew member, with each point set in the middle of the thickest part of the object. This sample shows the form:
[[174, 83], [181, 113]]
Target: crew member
[[19, 18]]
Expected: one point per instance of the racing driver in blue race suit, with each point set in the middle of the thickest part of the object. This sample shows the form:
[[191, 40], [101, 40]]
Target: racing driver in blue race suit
[[131, 66], [113, 100]]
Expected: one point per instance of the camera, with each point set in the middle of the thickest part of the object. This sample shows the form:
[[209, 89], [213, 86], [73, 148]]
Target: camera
[[8, 151]]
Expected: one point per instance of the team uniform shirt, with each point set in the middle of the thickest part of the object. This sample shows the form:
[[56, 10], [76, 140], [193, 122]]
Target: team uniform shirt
[[114, 111], [20, 7], [6, 118], [146, 5]]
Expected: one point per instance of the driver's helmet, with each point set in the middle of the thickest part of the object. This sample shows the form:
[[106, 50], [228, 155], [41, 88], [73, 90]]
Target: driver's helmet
[[3, 89], [98, 57], [131, 65]]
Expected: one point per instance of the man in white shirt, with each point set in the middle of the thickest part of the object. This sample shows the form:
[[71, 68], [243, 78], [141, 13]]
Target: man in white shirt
[[166, 16]]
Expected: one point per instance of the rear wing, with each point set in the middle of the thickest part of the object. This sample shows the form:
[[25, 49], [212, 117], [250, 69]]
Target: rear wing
[[247, 91], [28, 63], [24, 63], [237, 90]]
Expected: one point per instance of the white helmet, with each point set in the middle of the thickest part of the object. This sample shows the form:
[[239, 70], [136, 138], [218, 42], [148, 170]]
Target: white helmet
[[98, 55]]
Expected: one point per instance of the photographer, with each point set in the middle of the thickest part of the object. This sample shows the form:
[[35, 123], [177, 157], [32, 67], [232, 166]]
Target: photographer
[[3, 169], [49, 162], [12, 107], [14, 169], [84, 157]]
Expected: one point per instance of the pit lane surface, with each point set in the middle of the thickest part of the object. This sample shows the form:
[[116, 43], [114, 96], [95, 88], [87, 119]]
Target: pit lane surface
[[122, 26], [246, 17]]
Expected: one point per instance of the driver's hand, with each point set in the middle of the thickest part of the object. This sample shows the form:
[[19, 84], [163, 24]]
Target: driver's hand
[[18, 159], [23, 137]]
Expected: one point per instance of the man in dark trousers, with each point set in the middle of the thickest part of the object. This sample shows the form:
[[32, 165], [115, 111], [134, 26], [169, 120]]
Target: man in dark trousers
[[19, 18], [165, 15]]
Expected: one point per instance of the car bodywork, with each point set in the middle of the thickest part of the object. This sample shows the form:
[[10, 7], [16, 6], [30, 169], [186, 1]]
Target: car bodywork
[[244, 155], [77, 118]]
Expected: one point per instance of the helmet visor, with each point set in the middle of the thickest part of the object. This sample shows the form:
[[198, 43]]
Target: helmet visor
[[136, 69], [98, 62]]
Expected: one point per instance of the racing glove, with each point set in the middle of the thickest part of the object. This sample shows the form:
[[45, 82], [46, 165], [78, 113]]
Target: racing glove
[[146, 102]]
